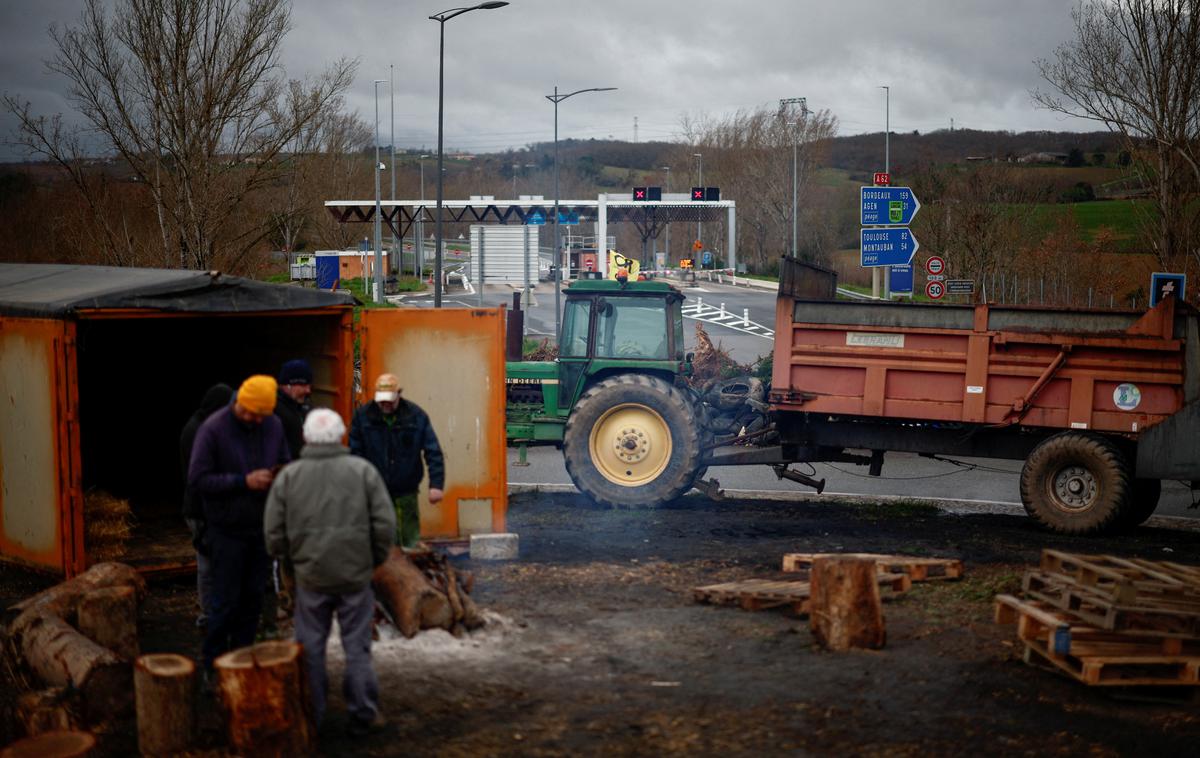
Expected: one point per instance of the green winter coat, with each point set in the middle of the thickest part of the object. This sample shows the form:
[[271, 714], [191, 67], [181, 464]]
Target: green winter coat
[[330, 516]]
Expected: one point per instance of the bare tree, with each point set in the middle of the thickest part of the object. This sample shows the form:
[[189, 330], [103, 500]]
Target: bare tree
[[189, 94], [1134, 66]]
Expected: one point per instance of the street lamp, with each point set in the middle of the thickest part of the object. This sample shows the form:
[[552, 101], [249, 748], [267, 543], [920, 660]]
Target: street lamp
[[783, 104], [442, 18], [885, 278], [699, 183], [419, 226], [398, 252], [556, 99], [378, 207]]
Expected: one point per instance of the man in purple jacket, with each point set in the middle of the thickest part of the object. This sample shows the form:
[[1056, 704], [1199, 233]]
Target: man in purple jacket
[[234, 460]]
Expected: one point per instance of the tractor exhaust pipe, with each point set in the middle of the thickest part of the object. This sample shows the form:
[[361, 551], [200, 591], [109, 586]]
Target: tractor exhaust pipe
[[515, 336], [783, 472]]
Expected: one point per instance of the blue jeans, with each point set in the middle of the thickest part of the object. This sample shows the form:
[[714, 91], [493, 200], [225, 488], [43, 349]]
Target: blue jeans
[[314, 616], [238, 567]]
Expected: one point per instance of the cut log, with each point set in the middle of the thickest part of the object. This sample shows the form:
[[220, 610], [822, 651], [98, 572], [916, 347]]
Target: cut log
[[52, 745], [844, 607], [413, 602], [108, 616], [164, 684], [264, 692], [62, 599], [468, 612], [43, 711], [61, 656]]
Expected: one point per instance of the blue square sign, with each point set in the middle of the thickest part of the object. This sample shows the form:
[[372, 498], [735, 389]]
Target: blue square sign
[[1163, 284]]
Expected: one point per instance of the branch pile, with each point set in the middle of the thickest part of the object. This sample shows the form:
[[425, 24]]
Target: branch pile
[[733, 399], [423, 591]]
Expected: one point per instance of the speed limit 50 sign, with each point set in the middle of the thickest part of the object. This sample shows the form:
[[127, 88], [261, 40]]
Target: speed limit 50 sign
[[935, 290]]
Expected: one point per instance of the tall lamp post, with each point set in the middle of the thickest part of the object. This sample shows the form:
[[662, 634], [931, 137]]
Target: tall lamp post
[[886, 274], [803, 103], [378, 206], [556, 99], [398, 261], [667, 189], [419, 226], [699, 183], [442, 18]]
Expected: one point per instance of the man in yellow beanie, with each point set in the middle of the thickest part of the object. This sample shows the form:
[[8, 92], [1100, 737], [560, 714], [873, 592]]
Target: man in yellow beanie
[[234, 460]]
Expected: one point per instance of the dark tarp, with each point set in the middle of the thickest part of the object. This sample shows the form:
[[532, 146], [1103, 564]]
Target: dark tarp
[[44, 290]]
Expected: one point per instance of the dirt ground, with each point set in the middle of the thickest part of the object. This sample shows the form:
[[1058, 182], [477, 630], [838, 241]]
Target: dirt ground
[[596, 646]]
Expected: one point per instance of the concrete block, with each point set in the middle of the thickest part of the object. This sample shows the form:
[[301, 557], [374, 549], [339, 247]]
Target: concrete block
[[494, 547]]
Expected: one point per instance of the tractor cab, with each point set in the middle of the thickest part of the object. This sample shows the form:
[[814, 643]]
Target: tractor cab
[[608, 327]]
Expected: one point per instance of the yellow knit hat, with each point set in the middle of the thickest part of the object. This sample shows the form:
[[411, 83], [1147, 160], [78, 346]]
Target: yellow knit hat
[[257, 394]]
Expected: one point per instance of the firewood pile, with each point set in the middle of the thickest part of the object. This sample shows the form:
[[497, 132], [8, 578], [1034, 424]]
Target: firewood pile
[[1109, 621], [70, 650], [422, 590], [108, 521]]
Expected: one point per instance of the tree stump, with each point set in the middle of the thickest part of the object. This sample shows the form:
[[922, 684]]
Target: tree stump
[[410, 597], [164, 686], [264, 691], [62, 599], [52, 745], [44, 711], [63, 657], [108, 616], [845, 611]]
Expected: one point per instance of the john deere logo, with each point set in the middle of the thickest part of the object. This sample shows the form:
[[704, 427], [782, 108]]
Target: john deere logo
[[1127, 396]]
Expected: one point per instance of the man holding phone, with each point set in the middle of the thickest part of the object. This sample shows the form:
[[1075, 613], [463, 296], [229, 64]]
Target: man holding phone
[[234, 460]]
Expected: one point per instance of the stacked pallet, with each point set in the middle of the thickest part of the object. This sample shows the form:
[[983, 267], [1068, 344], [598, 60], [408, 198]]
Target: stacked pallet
[[1109, 621], [896, 573]]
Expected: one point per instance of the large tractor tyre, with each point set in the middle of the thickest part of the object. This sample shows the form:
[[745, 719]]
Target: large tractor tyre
[[1076, 483], [1143, 500], [633, 440]]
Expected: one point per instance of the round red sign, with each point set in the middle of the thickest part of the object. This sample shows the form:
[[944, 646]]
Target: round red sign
[[935, 290], [935, 265]]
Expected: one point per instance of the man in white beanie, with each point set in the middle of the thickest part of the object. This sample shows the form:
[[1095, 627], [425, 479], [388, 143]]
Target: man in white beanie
[[329, 514]]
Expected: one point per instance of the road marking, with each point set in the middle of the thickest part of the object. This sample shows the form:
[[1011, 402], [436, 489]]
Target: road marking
[[718, 317]]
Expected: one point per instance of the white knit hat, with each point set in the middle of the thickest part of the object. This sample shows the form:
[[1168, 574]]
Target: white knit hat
[[323, 427]]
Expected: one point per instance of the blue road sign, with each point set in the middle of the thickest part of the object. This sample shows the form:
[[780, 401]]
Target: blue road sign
[[568, 218], [706, 259], [536, 217], [887, 206], [893, 246], [1163, 284], [901, 279]]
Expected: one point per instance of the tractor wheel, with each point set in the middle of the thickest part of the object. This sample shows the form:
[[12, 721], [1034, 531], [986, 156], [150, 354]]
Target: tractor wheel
[[1076, 483], [633, 440], [1143, 499]]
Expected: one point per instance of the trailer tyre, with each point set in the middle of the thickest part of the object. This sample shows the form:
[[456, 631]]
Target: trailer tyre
[[1076, 483], [1143, 500], [633, 440]]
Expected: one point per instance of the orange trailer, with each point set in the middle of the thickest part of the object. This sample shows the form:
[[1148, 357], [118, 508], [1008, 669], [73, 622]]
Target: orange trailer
[[1101, 405]]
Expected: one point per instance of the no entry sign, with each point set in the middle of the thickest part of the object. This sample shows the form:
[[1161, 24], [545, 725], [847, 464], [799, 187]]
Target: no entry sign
[[935, 290]]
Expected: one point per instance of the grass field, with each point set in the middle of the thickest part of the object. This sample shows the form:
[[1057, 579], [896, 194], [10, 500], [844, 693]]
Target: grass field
[[1122, 217]]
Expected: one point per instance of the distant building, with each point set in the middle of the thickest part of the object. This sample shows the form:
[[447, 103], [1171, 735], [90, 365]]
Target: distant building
[[1043, 158]]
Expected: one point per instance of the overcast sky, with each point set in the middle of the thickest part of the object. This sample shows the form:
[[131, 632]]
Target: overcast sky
[[970, 60]]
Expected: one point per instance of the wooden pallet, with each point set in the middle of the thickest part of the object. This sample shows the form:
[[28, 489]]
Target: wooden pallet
[[1119, 670], [1096, 608], [918, 569], [761, 594], [1061, 634], [1129, 581]]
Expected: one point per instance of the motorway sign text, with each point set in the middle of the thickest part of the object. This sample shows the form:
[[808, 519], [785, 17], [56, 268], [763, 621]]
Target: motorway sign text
[[887, 247], [887, 206]]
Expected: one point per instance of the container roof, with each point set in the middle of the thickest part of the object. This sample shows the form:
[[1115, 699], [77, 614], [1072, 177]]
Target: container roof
[[31, 289]]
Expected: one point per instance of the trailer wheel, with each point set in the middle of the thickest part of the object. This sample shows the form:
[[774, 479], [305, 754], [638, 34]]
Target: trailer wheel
[[632, 440], [1143, 500], [1076, 483]]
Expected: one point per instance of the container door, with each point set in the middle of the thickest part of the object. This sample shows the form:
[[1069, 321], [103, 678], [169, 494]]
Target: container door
[[450, 362], [38, 478]]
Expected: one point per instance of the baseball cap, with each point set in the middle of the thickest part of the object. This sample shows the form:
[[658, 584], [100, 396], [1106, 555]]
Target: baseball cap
[[387, 388]]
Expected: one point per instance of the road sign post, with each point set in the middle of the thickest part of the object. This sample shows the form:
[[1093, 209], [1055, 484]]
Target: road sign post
[[887, 206], [1163, 284], [935, 265], [890, 246], [934, 290], [902, 280]]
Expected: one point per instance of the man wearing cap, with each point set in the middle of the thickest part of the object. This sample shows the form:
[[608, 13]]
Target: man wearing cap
[[394, 433], [291, 404], [330, 516], [234, 459]]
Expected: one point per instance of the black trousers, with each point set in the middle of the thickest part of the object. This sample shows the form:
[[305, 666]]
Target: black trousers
[[239, 566]]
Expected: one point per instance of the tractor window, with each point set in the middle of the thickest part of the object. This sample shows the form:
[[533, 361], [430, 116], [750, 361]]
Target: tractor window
[[575, 329], [632, 329]]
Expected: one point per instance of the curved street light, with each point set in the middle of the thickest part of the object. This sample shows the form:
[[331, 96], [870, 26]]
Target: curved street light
[[442, 18], [556, 99]]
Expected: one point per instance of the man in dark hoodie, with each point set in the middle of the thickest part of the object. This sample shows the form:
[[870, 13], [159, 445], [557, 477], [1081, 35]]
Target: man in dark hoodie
[[234, 460], [216, 398]]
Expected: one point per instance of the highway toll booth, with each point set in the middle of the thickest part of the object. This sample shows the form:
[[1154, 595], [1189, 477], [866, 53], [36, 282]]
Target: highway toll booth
[[101, 367]]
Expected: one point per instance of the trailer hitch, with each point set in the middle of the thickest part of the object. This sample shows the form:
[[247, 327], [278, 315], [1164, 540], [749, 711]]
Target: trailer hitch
[[783, 472]]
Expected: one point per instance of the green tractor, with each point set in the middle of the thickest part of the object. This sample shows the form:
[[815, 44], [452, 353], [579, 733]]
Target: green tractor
[[615, 400]]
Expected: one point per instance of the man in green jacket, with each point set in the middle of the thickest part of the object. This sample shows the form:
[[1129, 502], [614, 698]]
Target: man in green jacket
[[329, 514]]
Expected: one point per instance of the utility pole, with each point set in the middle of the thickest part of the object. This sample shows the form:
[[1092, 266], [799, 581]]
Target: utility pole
[[803, 103], [667, 189], [396, 260]]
